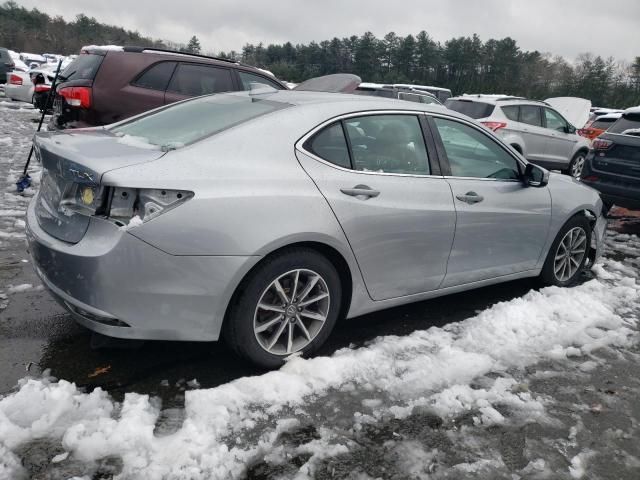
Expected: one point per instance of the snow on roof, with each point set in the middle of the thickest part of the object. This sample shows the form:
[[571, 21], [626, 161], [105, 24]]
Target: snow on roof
[[370, 85], [633, 110], [102, 47], [430, 87], [613, 115]]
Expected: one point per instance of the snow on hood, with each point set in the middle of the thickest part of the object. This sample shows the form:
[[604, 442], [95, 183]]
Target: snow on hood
[[575, 110]]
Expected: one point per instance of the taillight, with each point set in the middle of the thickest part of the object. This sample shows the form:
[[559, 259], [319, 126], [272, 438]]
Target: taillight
[[601, 144], [15, 79], [41, 88], [77, 96], [495, 126]]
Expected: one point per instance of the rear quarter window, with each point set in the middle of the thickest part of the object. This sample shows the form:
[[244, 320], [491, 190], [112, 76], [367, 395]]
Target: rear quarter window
[[511, 112], [157, 76], [470, 108]]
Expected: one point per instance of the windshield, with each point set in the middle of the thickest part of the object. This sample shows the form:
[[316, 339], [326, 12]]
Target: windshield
[[469, 108], [192, 120]]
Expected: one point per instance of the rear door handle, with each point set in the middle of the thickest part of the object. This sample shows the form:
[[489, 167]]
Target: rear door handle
[[360, 190], [470, 198]]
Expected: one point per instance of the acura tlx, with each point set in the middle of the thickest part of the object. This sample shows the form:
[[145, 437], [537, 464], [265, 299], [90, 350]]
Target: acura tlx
[[264, 217]]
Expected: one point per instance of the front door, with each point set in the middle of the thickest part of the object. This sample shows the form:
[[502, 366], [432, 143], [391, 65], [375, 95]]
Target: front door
[[561, 143], [398, 218], [501, 225]]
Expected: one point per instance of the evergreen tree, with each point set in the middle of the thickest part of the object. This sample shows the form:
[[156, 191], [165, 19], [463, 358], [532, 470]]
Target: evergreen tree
[[194, 45]]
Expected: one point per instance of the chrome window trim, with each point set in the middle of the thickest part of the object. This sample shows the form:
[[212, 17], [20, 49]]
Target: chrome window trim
[[496, 139], [299, 145]]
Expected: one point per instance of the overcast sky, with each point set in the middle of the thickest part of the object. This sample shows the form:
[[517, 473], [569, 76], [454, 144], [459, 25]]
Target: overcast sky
[[563, 27]]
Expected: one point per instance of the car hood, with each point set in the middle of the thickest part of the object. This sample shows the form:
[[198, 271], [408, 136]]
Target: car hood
[[574, 109]]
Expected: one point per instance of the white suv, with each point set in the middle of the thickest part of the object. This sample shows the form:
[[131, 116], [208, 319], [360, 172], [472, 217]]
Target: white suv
[[535, 129]]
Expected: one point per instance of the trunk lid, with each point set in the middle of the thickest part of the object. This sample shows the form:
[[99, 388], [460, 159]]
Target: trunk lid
[[575, 110], [73, 164]]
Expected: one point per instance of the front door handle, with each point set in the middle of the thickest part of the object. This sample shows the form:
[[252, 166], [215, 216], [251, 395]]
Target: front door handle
[[360, 191], [470, 198]]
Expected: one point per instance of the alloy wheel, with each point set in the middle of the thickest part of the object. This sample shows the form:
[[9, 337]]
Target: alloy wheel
[[577, 166], [570, 253], [291, 312]]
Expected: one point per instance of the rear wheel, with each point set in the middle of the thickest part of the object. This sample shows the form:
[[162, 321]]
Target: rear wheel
[[568, 254], [577, 164], [289, 304]]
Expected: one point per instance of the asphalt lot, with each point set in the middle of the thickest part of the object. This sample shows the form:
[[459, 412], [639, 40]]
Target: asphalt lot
[[595, 411]]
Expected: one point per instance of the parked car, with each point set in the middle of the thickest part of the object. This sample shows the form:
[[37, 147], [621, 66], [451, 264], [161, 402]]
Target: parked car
[[265, 216], [105, 85], [6, 64], [21, 86], [388, 91], [613, 164], [32, 60], [598, 125], [535, 129]]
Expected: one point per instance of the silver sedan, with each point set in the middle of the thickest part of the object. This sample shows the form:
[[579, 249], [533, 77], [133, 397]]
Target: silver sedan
[[264, 217]]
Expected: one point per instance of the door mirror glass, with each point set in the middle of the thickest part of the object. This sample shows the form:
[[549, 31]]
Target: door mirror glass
[[570, 128], [535, 176]]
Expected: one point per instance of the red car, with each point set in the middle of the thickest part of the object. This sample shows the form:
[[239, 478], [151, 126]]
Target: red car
[[104, 86]]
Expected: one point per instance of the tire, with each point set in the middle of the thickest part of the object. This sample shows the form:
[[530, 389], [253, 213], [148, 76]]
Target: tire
[[551, 274], [577, 164], [247, 314]]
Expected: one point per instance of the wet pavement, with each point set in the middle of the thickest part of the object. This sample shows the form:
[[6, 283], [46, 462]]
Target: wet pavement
[[594, 410]]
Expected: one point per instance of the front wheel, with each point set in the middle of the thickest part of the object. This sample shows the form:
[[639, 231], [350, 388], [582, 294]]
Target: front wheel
[[289, 304], [568, 253], [577, 164]]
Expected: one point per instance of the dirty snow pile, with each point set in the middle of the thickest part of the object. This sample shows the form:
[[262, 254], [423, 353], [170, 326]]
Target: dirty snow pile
[[234, 425]]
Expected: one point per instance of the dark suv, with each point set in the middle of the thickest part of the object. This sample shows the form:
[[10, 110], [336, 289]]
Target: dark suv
[[6, 64], [104, 86], [613, 164]]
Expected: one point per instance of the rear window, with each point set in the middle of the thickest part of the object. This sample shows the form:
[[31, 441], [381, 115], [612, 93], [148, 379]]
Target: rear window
[[625, 123], [187, 122], [470, 108], [84, 67], [603, 123]]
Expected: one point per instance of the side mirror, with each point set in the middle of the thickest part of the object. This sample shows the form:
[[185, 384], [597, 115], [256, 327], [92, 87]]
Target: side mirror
[[535, 176], [570, 128]]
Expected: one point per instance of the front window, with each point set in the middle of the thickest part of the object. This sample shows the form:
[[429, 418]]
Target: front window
[[471, 153], [554, 120], [187, 122], [248, 78]]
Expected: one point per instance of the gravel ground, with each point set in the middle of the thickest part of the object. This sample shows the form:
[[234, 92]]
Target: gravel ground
[[574, 415]]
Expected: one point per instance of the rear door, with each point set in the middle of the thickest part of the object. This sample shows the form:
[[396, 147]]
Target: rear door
[[534, 134], [395, 209], [192, 80], [501, 225]]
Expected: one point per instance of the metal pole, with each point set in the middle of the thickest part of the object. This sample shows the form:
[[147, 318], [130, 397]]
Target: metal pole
[[44, 112]]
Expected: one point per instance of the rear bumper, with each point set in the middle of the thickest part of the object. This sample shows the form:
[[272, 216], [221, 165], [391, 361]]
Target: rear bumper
[[117, 285]]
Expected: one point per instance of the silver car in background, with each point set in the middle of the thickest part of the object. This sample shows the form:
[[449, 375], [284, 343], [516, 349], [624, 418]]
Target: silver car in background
[[535, 129], [266, 216]]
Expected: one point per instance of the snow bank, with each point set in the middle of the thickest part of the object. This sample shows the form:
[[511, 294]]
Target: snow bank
[[432, 368]]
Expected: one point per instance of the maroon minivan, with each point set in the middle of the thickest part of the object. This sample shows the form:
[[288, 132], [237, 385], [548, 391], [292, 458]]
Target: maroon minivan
[[103, 86]]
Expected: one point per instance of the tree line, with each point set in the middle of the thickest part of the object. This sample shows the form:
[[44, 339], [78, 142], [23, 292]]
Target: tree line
[[464, 64]]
